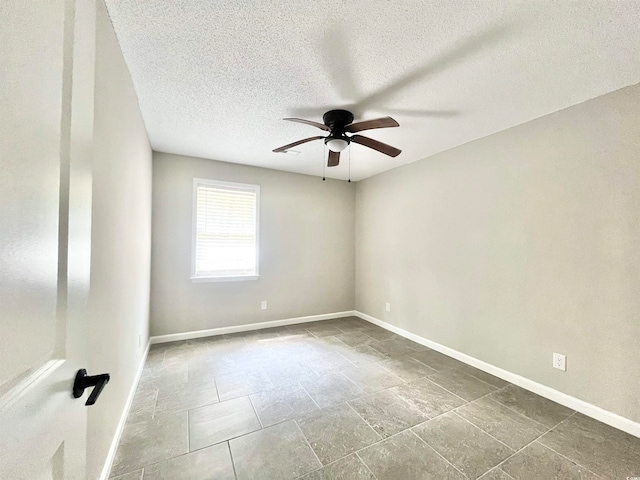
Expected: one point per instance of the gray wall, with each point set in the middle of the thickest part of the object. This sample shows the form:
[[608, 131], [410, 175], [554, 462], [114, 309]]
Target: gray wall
[[306, 248], [518, 245], [121, 239]]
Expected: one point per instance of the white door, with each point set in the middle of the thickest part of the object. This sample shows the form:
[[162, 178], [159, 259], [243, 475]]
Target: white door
[[46, 125]]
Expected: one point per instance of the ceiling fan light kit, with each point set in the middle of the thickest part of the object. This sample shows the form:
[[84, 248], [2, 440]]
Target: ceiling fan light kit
[[336, 144], [338, 123]]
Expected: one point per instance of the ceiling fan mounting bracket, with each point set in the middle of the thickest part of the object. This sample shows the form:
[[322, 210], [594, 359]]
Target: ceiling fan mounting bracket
[[337, 119]]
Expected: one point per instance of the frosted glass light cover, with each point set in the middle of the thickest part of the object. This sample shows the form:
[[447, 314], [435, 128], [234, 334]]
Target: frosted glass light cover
[[337, 144]]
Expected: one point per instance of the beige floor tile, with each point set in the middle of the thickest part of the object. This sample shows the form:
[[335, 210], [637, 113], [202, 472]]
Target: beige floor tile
[[336, 432], [428, 397], [531, 405], [143, 405], [137, 475], [537, 462], [468, 448], [221, 421], [347, 468], [415, 346], [211, 463], [193, 394], [599, 447], [392, 347], [282, 403], [484, 376], [291, 373], [331, 361], [371, 377], [277, 452], [465, 386], [151, 441], [436, 360], [380, 334], [241, 383], [355, 338], [163, 375], [405, 456], [362, 355], [509, 427], [387, 413], [323, 330], [407, 368], [496, 474], [331, 389]]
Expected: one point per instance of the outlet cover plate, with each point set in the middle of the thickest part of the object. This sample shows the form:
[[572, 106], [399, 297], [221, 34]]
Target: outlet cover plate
[[560, 361], [264, 305], [388, 307]]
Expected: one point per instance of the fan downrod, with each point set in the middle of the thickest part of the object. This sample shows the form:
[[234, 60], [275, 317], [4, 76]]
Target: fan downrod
[[337, 119]]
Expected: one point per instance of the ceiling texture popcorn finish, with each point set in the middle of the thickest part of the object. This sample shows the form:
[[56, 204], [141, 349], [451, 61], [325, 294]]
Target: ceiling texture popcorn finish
[[215, 78]]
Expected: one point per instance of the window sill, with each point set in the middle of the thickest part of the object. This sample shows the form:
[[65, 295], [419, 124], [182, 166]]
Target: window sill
[[238, 278]]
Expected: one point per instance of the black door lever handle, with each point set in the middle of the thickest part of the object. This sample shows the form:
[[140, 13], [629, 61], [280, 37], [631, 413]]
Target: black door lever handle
[[83, 381]]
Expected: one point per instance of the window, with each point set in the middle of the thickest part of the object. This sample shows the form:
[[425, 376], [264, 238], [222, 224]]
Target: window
[[225, 231]]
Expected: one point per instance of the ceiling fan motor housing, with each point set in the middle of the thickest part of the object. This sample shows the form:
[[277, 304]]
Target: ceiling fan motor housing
[[336, 120]]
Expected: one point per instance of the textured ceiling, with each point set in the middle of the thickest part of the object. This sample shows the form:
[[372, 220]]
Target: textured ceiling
[[215, 78]]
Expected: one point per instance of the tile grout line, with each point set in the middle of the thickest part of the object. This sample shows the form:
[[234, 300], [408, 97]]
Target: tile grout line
[[309, 445], [367, 423], [499, 465], [354, 384], [483, 431], [448, 391], [487, 396], [436, 452], [155, 403], [522, 414], [309, 395], [233, 463], [464, 374], [188, 431], [564, 456], [255, 412], [365, 465], [480, 380], [496, 468], [215, 384], [368, 446]]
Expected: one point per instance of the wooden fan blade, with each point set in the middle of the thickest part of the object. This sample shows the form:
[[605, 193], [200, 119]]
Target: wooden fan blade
[[299, 142], [383, 122], [322, 126], [376, 145], [334, 159]]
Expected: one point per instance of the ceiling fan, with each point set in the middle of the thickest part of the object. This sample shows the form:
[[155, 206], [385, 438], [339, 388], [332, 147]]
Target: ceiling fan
[[340, 122]]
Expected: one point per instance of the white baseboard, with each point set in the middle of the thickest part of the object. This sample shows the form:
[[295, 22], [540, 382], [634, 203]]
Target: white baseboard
[[600, 414], [108, 463], [173, 337]]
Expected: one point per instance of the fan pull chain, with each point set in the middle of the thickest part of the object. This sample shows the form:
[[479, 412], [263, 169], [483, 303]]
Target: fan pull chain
[[349, 165], [324, 164]]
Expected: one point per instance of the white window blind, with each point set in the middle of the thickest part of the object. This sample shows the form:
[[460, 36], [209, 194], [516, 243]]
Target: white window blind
[[225, 230]]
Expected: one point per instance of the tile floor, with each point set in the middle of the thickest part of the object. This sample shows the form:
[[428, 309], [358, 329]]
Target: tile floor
[[344, 399]]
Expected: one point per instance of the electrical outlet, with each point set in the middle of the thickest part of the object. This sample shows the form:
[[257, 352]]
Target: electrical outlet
[[560, 361], [388, 307], [264, 305], [139, 340]]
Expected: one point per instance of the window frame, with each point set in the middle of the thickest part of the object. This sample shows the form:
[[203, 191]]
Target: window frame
[[194, 230]]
